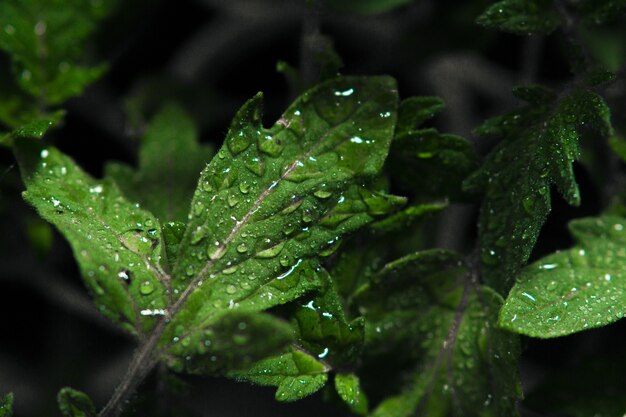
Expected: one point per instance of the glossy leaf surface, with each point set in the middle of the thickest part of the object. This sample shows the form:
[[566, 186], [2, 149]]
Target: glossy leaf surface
[[539, 145], [581, 288]]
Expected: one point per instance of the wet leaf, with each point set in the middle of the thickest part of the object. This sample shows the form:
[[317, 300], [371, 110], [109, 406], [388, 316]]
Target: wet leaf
[[36, 128], [170, 161], [414, 111], [538, 147], [117, 245], [295, 375], [573, 290], [349, 389], [272, 199], [236, 341], [323, 329], [425, 306], [74, 403], [268, 206]]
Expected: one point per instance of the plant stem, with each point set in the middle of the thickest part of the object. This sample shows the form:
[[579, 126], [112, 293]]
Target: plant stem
[[144, 360]]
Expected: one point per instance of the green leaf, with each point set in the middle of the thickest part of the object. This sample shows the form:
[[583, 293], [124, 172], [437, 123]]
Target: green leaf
[[273, 199], [573, 290], [236, 341], [539, 145], [173, 233], [170, 161], [414, 111], [407, 217], [117, 245], [323, 329], [349, 389], [36, 128], [270, 203], [6, 406], [295, 374], [368, 6], [591, 388], [521, 17], [74, 403], [425, 306], [431, 164], [45, 40]]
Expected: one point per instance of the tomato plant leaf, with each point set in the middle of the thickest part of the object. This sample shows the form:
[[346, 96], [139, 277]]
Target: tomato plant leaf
[[73, 403], [349, 389], [296, 375], [539, 145], [427, 301], [414, 111], [274, 198], [573, 290], [117, 245]]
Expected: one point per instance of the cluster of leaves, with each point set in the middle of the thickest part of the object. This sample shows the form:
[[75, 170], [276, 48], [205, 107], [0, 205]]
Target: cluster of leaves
[[283, 259]]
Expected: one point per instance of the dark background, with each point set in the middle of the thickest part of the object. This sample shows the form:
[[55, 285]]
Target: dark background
[[211, 56]]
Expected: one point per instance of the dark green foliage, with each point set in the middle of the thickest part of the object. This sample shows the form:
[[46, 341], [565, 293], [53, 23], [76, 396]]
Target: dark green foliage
[[169, 162], [572, 290], [539, 145], [74, 403], [428, 307], [345, 249], [6, 406]]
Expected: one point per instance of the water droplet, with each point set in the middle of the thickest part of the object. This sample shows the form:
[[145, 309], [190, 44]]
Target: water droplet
[[529, 204], [206, 186], [242, 248], [244, 187], [284, 260], [231, 270], [190, 270], [231, 289], [271, 145], [147, 287], [489, 257], [198, 208], [238, 143], [233, 200], [344, 93], [271, 252], [322, 194], [552, 285]]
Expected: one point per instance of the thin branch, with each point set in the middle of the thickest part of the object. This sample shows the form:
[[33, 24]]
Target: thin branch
[[144, 360]]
